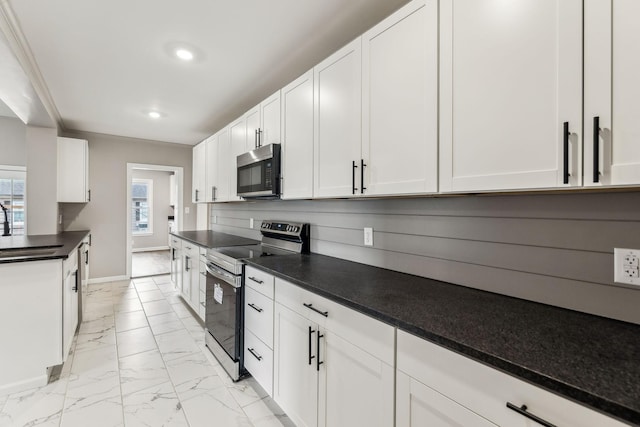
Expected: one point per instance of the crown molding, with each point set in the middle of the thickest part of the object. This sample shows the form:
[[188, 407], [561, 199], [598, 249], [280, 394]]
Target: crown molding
[[10, 27]]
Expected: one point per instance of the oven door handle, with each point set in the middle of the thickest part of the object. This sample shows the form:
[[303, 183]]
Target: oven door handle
[[221, 274]]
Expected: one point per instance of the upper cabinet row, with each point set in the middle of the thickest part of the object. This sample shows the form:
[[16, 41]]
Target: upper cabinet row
[[73, 170], [474, 96]]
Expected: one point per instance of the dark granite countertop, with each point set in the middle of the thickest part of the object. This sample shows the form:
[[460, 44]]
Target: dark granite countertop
[[213, 239], [589, 359], [39, 247]]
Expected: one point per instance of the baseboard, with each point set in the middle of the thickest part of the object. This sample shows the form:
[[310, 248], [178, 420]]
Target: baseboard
[[107, 279], [157, 248], [27, 384]]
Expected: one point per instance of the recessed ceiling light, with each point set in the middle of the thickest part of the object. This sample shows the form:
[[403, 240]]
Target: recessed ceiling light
[[154, 114], [184, 54]]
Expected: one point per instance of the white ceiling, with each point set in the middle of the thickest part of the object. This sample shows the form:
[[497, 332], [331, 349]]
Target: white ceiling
[[106, 63]]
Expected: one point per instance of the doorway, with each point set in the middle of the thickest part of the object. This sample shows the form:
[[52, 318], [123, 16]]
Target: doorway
[[154, 204]]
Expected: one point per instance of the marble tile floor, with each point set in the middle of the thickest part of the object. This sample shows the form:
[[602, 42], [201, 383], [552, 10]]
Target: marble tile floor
[[151, 263], [139, 359]]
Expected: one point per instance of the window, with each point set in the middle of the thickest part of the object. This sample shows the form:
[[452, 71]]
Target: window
[[12, 197], [142, 206]]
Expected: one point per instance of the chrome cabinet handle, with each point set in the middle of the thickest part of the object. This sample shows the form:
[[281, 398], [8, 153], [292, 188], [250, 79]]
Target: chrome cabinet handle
[[256, 280], [253, 352], [522, 410], [311, 307], [256, 308]]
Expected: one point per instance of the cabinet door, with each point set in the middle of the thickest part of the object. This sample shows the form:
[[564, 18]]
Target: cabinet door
[[238, 135], [70, 310], [73, 170], [225, 167], [297, 138], [194, 292], [337, 123], [252, 118], [269, 132], [295, 378], [199, 174], [612, 66], [400, 102], [510, 77], [211, 150], [418, 406], [188, 263], [355, 388]]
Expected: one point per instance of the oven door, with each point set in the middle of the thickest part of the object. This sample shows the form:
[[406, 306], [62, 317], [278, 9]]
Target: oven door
[[223, 310]]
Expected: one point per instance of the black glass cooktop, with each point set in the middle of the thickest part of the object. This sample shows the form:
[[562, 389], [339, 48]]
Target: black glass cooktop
[[253, 251]]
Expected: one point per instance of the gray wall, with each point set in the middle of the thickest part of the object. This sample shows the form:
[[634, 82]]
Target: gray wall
[[106, 214], [161, 210], [42, 198], [555, 248], [13, 148]]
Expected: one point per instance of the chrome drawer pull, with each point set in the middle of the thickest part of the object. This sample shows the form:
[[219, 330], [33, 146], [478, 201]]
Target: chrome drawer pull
[[522, 410], [258, 309], [256, 280], [256, 355], [310, 306]]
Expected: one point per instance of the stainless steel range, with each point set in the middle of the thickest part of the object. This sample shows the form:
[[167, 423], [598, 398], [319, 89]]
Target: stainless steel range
[[224, 316]]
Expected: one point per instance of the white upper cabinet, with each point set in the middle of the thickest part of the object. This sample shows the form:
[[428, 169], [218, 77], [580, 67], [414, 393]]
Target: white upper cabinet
[[225, 166], [73, 170], [297, 138], [510, 79], [211, 150], [238, 143], [612, 67], [199, 177], [337, 123], [400, 102], [263, 123]]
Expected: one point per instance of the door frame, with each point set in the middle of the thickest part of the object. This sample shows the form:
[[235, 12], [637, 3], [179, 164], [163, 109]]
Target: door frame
[[179, 172]]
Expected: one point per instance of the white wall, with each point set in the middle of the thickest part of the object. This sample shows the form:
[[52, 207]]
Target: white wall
[[106, 214], [160, 211], [42, 198], [13, 146]]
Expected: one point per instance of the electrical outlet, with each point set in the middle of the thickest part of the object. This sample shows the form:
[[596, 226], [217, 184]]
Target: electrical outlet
[[250, 222], [215, 219], [187, 210], [626, 266], [368, 236]]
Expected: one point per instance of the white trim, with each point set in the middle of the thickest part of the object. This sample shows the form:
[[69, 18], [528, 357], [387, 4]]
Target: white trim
[[96, 280], [157, 248], [179, 172], [29, 383]]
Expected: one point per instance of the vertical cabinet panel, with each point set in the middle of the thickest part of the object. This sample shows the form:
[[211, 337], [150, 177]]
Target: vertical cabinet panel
[[238, 143], [252, 121], [611, 69], [270, 120], [225, 168], [510, 77], [400, 102], [297, 138], [337, 118], [295, 378]]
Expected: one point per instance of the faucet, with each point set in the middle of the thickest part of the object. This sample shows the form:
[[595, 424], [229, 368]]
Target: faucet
[[6, 221]]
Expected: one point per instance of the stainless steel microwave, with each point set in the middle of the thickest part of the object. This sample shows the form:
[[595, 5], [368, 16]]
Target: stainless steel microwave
[[259, 173]]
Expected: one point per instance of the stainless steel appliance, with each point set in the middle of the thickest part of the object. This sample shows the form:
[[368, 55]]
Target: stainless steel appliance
[[259, 172], [224, 314]]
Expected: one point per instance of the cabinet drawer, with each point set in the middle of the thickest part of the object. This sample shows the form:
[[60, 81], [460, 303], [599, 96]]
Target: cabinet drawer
[[258, 315], [369, 334], [258, 360], [259, 280], [176, 242], [70, 264], [190, 250], [465, 381]]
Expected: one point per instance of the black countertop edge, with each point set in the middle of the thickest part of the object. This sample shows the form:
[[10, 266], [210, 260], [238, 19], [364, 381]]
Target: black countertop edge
[[213, 239], [568, 391], [64, 243]]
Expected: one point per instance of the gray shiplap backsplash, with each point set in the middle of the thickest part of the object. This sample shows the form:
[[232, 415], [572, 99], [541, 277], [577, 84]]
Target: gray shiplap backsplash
[[551, 248]]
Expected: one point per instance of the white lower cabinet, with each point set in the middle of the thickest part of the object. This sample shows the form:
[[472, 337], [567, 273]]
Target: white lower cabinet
[[188, 273], [70, 288], [176, 262], [437, 387], [332, 365]]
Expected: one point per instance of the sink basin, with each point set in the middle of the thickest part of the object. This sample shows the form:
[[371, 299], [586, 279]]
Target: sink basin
[[28, 252]]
